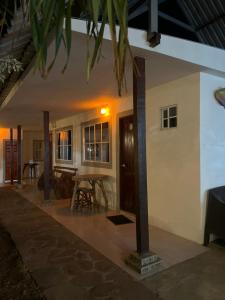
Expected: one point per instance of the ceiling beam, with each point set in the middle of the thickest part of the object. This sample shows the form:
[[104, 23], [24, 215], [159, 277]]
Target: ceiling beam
[[162, 1], [132, 3], [139, 11], [144, 8], [176, 21]]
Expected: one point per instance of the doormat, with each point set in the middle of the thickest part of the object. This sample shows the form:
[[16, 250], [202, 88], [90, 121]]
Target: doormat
[[119, 220]]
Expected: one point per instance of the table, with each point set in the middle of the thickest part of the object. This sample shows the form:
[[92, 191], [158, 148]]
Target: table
[[93, 179], [32, 167]]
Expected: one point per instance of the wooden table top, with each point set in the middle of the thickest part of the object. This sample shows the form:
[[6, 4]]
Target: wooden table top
[[89, 177]]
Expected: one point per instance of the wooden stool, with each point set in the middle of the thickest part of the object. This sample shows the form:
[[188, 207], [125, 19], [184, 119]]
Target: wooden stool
[[84, 197]]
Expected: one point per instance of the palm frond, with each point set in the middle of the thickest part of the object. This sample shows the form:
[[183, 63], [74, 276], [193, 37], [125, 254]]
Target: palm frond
[[54, 17]]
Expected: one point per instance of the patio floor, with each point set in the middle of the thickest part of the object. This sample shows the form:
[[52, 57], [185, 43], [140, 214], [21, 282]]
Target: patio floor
[[114, 242], [64, 266]]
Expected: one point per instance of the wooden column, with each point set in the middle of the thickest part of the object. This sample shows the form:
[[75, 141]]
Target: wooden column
[[143, 261], [19, 154], [153, 15], [11, 155], [140, 157], [46, 156]]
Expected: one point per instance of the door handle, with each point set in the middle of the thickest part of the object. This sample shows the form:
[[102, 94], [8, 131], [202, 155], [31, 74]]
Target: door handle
[[123, 166]]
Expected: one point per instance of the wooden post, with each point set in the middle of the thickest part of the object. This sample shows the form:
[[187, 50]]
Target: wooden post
[[19, 154], [46, 156], [153, 15], [142, 261], [11, 155], [140, 157]]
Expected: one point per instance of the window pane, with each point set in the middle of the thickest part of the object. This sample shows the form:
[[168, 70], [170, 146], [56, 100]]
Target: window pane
[[98, 152], [92, 152], [173, 122], [173, 111], [69, 153], [65, 154], [69, 137], [165, 123], [92, 134], [65, 137], [105, 152], [58, 138], [165, 113], [98, 133], [87, 152], [86, 134], [105, 132], [58, 152], [61, 152]]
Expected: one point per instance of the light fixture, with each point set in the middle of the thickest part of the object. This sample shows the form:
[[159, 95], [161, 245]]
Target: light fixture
[[104, 111]]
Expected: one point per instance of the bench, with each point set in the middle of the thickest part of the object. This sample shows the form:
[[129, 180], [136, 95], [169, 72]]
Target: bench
[[63, 181]]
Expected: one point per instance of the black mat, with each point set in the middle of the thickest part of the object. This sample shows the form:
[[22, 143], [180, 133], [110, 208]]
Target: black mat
[[119, 220]]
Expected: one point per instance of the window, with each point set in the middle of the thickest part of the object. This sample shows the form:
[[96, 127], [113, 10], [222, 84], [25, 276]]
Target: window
[[96, 143], [169, 117], [64, 144], [38, 150]]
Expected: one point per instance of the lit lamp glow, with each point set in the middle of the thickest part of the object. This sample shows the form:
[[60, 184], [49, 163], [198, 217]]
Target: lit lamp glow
[[105, 111]]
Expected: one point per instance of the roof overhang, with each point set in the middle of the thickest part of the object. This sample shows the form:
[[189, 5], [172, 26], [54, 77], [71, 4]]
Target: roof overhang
[[69, 93]]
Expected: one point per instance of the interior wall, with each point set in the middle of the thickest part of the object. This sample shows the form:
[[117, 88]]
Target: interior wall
[[172, 155], [212, 121], [4, 135]]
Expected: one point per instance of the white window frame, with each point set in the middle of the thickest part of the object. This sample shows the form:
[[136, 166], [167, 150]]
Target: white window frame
[[64, 146], [94, 162], [169, 117]]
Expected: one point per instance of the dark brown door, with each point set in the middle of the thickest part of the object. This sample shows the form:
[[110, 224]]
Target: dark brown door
[[127, 185], [9, 158]]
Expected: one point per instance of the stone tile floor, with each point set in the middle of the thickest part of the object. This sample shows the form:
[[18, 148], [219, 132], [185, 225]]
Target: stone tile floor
[[63, 265], [200, 278], [15, 280], [95, 229]]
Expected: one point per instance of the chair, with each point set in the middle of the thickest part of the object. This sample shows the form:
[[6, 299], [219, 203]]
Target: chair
[[215, 216], [84, 197]]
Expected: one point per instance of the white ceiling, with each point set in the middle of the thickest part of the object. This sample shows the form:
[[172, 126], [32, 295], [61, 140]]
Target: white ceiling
[[69, 93]]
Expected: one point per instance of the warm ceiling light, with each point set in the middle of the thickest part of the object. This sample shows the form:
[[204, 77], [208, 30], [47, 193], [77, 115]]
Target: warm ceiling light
[[104, 111]]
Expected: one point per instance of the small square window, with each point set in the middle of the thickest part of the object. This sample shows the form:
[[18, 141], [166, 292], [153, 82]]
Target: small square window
[[169, 117]]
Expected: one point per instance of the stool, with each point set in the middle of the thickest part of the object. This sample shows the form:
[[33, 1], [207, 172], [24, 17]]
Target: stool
[[84, 197]]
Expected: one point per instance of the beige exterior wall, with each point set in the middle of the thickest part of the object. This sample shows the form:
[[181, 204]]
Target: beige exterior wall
[[174, 159], [116, 107], [172, 155]]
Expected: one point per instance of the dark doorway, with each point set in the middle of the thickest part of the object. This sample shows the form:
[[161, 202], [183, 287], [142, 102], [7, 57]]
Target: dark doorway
[[127, 178], [8, 158]]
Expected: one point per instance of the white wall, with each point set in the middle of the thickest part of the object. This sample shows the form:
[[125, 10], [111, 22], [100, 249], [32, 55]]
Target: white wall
[[173, 159], [172, 155], [212, 121]]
